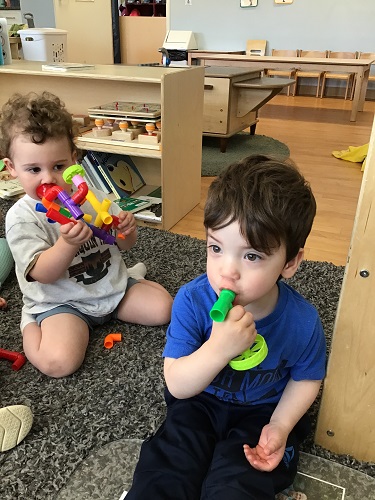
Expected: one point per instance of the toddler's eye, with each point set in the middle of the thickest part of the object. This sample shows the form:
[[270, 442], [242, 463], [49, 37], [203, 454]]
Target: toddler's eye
[[59, 167], [34, 170], [214, 248], [252, 257]]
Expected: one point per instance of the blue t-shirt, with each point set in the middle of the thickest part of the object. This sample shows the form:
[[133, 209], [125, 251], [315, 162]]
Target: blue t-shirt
[[293, 332]]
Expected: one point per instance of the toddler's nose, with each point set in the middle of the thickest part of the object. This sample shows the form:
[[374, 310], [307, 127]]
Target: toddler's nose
[[48, 178], [229, 270]]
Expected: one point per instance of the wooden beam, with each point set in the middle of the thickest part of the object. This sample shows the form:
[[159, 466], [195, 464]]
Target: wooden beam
[[347, 412]]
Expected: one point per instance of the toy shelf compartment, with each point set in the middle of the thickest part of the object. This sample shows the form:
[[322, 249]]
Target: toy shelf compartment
[[107, 146], [147, 9]]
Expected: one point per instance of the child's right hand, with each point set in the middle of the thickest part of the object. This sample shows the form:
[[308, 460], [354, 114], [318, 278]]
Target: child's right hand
[[75, 234], [234, 335]]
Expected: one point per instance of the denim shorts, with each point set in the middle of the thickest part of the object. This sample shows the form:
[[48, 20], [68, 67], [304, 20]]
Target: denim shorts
[[91, 321]]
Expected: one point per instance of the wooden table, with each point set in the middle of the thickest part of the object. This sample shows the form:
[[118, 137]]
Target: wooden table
[[360, 67]]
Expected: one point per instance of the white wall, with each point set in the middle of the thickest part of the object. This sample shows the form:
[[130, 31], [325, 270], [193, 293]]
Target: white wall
[[346, 25], [42, 10]]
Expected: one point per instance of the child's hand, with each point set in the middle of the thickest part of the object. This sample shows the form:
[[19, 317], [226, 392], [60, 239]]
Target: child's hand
[[127, 223], [75, 234], [268, 453], [234, 335]]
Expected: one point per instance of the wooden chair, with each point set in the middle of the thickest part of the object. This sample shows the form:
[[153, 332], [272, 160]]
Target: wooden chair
[[349, 77], [311, 74], [285, 73], [367, 55], [256, 47]]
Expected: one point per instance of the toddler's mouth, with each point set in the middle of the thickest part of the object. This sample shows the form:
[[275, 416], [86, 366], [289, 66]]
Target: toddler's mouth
[[236, 301]]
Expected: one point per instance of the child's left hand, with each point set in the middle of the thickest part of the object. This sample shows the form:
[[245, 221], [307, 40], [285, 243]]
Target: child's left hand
[[127, 223], [269, 452]]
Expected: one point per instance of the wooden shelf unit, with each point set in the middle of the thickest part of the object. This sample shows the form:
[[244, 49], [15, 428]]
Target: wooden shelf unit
[[177, 167], [148, 9]]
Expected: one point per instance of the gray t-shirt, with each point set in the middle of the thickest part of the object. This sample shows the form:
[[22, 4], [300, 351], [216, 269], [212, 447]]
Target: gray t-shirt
[[95, 281]]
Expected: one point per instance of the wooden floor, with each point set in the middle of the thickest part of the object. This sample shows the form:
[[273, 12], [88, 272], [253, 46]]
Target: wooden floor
[[313, 128]]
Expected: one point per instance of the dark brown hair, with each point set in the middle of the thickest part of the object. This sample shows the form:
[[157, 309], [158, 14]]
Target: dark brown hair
[[38, 116], [270, 200]]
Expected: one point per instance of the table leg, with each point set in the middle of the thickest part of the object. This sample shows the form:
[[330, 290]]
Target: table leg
[[362, 98], [359, 93]]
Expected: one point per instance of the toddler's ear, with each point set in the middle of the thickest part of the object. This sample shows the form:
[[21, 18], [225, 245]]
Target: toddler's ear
[[9, 166], [292, 266]]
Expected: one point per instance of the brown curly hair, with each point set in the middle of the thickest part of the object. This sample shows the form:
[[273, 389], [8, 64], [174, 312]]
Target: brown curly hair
[[38, 116]]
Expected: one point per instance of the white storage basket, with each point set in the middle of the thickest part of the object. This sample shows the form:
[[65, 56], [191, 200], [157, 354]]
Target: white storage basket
[[44, 44]]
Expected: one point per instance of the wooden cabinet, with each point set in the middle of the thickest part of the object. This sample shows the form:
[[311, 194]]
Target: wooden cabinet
[[232, 98], [90, 30], [141, 38], [176, 166], [145, 8], [221, 116]]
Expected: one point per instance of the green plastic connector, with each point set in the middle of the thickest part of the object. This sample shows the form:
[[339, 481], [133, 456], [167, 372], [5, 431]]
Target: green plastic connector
[[222, 306], [71, 171]]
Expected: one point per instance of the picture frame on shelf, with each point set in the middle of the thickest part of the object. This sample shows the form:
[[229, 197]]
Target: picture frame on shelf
[[248, 3]]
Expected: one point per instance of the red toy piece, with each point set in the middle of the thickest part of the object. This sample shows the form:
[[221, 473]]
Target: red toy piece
[[17, 358]]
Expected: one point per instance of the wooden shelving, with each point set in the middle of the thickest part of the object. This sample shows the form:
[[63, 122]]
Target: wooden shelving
[[176, 167], [148, 9]]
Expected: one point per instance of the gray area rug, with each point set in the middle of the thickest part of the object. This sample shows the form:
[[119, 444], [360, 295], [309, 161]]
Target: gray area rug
[[239, 146], [118, 393]]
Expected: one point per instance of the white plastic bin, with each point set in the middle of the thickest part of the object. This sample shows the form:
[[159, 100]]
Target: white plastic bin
[[44, 44]]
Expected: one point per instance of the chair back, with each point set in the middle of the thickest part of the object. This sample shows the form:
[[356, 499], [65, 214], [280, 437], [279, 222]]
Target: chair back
[[369, 55], [256, 47], [312, 53], [285, 53], [366, 55], [342, 55]]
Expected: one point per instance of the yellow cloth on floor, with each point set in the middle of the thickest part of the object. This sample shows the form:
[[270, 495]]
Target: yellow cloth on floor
[[356, 154]]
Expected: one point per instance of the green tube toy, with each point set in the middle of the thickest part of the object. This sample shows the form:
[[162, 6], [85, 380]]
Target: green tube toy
[[222, 306], [257, 352]]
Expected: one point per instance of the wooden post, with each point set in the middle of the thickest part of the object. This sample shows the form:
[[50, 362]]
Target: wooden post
[[346, 422]]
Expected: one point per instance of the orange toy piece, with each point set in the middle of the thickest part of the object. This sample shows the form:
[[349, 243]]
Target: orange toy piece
[[150, 137], [110, 339], [125, 133], [150, 128], [99, 130], [99, 122], [123, 125], [17, 358]]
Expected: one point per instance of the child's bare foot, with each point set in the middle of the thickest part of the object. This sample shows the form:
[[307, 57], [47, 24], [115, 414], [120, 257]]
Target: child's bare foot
[[3, 303]]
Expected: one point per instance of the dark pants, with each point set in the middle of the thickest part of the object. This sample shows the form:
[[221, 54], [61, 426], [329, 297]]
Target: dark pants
[[197, 453]]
